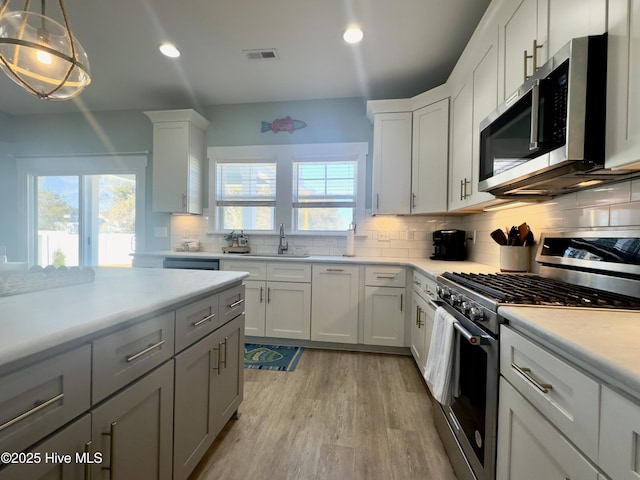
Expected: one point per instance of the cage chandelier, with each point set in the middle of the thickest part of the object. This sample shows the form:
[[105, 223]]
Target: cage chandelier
[[42, 55]]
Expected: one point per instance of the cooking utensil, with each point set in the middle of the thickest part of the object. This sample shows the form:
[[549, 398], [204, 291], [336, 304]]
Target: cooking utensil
[[529, 240], [523, 231], [499, 236], [514, 237]]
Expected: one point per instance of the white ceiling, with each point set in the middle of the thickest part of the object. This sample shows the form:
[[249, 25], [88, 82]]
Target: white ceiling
[[410, 46]]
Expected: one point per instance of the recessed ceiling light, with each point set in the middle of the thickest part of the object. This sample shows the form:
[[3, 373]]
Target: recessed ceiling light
[[169, 50], [353, 35]]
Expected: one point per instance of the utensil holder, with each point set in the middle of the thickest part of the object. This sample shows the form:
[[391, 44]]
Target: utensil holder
[[514, 259]]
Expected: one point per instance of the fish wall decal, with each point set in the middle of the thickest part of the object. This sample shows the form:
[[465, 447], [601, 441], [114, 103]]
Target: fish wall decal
[[286, 124]]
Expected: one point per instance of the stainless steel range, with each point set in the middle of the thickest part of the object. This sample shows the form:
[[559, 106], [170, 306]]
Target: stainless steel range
[[586, 269]]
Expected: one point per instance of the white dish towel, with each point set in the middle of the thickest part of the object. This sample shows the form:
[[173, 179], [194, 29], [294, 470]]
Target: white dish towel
[[441, 364]]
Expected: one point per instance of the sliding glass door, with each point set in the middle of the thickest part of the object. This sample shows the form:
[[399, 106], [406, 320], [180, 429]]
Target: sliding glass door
[[84, 213]]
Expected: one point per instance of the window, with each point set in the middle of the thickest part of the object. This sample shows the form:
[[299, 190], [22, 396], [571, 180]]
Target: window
[[324, 195], [246, 195], [310, 188], [83, 211]]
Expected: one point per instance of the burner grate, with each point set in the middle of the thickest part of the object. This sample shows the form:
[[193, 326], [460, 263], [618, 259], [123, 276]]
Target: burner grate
[[528, 289]]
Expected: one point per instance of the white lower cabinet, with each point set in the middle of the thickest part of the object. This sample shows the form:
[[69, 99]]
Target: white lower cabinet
[[619, 454], [334, 306], [134, 429], [423, 316], [384, 316], [529, 446], [288, 310], [277, 298], [208, 390], [385, 306]]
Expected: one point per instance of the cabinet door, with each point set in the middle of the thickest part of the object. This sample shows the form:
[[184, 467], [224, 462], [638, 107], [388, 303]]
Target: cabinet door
[[430, 157], [569, 19], [73, 440], [254, 308], [288, 310], [619, 455], [622, 146], [228, 376], [392, 163], [418, 332], [134, 430], [461, 147], [170, 168], [384, 316], [334, 305], [518, 32], [485, 101], [193, 421], [530, 448]]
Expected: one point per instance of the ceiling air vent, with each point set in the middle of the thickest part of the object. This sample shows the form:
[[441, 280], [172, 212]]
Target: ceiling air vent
[[262, 54]]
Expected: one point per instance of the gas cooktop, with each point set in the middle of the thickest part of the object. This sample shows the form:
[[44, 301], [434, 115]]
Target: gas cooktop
[[530, 289]]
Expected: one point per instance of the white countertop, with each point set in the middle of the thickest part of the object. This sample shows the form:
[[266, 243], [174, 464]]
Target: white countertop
[[431, 268], [603, 342], [34, 322]]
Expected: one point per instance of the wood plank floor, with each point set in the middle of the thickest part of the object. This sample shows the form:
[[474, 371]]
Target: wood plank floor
[[339, 415]]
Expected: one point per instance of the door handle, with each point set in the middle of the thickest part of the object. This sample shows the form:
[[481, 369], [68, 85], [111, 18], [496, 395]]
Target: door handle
[[471, 338]]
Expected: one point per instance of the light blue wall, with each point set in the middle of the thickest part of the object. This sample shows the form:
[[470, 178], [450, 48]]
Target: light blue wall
[[328, 121]]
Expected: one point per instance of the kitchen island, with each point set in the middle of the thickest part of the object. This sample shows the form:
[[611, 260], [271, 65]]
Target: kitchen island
[[103, 370]]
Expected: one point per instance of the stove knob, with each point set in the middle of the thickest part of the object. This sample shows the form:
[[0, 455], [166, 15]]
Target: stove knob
[[456, 299], [444, 292], [475, 314], [466, 307]]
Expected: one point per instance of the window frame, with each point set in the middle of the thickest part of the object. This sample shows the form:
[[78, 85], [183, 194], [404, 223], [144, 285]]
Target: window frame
[[285, 156]]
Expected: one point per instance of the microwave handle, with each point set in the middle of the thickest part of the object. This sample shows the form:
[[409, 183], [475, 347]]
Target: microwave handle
[[535, 113]]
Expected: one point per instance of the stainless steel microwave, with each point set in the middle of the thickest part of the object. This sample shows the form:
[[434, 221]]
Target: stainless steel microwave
[[548, 137]]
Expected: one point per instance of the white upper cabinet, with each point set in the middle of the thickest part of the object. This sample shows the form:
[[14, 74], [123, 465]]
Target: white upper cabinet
[[430, 157], [391, 163], [178, 157], [622, 146], [531, 31], [461, 147]]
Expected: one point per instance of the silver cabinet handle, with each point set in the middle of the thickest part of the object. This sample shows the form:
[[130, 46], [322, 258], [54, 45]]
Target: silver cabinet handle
[[87, 466], [135, 356], [413, 200], [526, 373], [36, 409], [261, 294], [386, 277], [525, 58], [217, 368], [208, 318], [335, 269], [235, 304], [268, 295], [112, 449], [224, 361], [402, 302]]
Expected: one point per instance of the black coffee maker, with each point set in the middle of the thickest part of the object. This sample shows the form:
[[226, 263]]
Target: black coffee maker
[[449, 245]]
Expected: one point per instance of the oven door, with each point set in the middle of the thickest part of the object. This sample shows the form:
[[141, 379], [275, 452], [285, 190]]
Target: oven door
[[473, 414]]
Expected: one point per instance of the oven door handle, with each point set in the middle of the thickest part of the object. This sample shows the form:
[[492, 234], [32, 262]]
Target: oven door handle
[[471, 338]]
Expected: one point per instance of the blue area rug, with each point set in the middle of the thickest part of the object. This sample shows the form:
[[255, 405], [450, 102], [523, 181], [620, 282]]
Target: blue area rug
[[271, 357]]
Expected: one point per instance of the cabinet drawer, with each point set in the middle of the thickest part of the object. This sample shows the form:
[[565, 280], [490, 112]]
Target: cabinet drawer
[[231, 304], [125, 355], [196, 320], [424, 285], [289, 272], [257, 270], [382, 276], [36, 400], [619, 455], [564, 395]]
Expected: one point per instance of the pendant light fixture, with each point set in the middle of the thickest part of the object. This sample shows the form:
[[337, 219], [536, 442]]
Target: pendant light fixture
[[40, 54]]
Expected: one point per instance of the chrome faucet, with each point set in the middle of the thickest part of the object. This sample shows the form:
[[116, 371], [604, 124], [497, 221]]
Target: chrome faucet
[[282, 247]]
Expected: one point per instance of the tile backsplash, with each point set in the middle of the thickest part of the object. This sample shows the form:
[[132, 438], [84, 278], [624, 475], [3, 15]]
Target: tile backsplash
[[610, 206]]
